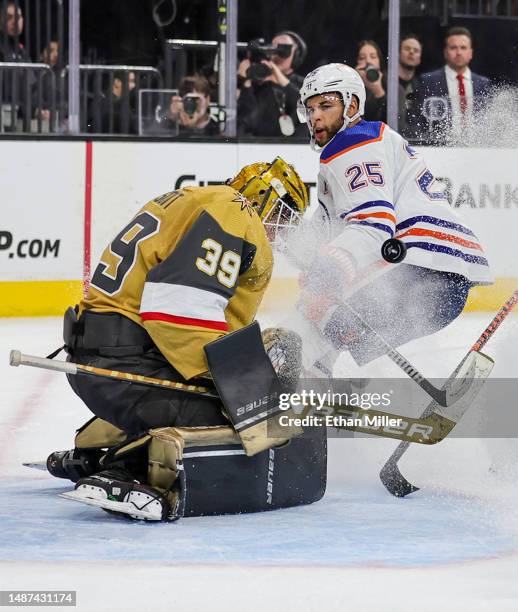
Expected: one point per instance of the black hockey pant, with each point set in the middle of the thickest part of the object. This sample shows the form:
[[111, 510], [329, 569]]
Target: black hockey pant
[[114, 342]]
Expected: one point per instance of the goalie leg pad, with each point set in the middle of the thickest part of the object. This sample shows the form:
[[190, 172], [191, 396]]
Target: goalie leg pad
[[214, 476], [202, 471], [205, 471], [222, 479], [98, 433]]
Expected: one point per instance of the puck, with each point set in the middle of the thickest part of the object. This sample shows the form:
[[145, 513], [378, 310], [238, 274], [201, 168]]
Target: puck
[[393, 250]]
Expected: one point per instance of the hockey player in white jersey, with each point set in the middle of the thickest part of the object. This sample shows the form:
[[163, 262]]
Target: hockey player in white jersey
[[372, 186]]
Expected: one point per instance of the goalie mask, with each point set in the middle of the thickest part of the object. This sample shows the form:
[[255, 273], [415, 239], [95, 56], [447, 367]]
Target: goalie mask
[[331, 79], [276, 192]]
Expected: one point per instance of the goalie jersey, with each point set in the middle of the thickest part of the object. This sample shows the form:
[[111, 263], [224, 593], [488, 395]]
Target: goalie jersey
[[372, 186], [191, 266]]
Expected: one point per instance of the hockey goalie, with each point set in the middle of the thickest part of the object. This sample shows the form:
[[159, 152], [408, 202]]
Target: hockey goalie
[[174, 297]]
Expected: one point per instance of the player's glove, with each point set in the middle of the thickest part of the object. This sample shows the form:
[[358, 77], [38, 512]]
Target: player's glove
[[325, 281]]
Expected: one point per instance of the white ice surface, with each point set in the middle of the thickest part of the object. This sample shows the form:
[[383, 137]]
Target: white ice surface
[[453, 544]]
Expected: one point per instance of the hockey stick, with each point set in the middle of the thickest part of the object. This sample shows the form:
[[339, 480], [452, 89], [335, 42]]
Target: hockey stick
[[390, 475], [375, 422], [17, 358], [429, 430], [443, 397]]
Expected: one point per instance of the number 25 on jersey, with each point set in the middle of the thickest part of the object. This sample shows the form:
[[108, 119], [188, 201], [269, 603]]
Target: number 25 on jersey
[[364, 174]]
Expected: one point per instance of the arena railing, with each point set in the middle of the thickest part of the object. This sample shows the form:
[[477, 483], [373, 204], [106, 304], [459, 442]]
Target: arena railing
[[28, 98], [33, 97], [102, 110]]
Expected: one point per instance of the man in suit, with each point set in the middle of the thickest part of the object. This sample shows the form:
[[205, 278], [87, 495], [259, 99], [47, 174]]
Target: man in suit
[[450, 96], [410, 50]]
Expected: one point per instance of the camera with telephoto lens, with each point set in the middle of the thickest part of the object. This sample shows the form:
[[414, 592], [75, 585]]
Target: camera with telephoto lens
[[371, 73], [190, 104], [258, 51]]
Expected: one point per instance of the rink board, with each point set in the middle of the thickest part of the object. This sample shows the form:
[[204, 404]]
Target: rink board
[[64, 201]]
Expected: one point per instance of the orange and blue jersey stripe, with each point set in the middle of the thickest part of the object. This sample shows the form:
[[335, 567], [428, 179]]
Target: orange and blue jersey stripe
[[361, 134], [377, 213], [416, 232]]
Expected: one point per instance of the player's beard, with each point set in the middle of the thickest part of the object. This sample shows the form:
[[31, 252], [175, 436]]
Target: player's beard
[[329, 132]]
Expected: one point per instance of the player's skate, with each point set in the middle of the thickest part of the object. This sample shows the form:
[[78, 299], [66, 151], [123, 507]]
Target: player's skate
[[116, 491], [74, 464]]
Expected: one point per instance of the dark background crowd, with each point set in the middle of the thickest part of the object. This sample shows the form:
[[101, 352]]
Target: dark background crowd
[[131, 84]]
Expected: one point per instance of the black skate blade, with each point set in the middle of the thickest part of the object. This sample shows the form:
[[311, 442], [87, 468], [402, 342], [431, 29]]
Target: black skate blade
[[37, 465], [394, 481]]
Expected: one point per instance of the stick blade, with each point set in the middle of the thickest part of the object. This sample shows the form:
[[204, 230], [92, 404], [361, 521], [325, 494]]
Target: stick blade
[[463, 387], [394, 481]]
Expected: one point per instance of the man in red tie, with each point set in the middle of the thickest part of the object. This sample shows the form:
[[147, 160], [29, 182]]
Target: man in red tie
[[452, 94]]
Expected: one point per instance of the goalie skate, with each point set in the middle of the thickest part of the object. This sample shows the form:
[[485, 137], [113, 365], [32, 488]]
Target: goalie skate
[[115, 491], [72, 464], [36, 465]]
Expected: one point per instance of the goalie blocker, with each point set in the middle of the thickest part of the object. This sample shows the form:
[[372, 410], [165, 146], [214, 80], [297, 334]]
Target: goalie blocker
[[249, 387]]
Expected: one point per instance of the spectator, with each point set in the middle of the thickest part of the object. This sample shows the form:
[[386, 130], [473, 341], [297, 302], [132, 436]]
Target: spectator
[[15, 81], [118, 82], [11, 25], [453, 93], [45, 94], [188, 113], [370, 67], [50, 54], [116, 111], [267, 105], [409, 60]]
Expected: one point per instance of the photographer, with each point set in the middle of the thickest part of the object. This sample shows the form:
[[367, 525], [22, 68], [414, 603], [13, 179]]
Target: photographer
[[269, 87], [369, 66], [188, 113]]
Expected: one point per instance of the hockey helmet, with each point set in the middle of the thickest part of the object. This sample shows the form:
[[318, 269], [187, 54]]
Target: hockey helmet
[[276, 191], [332, 78]]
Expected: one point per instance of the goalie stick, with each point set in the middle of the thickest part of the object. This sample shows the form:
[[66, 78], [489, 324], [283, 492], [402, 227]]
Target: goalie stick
[[390, 474], [429, 430], [18, 358]]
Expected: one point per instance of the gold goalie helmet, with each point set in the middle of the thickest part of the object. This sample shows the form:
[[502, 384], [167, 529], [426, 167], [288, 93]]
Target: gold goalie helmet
[[276, 192]]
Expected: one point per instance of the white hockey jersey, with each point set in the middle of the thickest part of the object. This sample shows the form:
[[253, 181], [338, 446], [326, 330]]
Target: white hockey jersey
[[372, 186]]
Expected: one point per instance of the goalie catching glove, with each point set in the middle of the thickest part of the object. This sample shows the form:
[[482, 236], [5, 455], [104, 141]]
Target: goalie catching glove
[[284, 348]]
